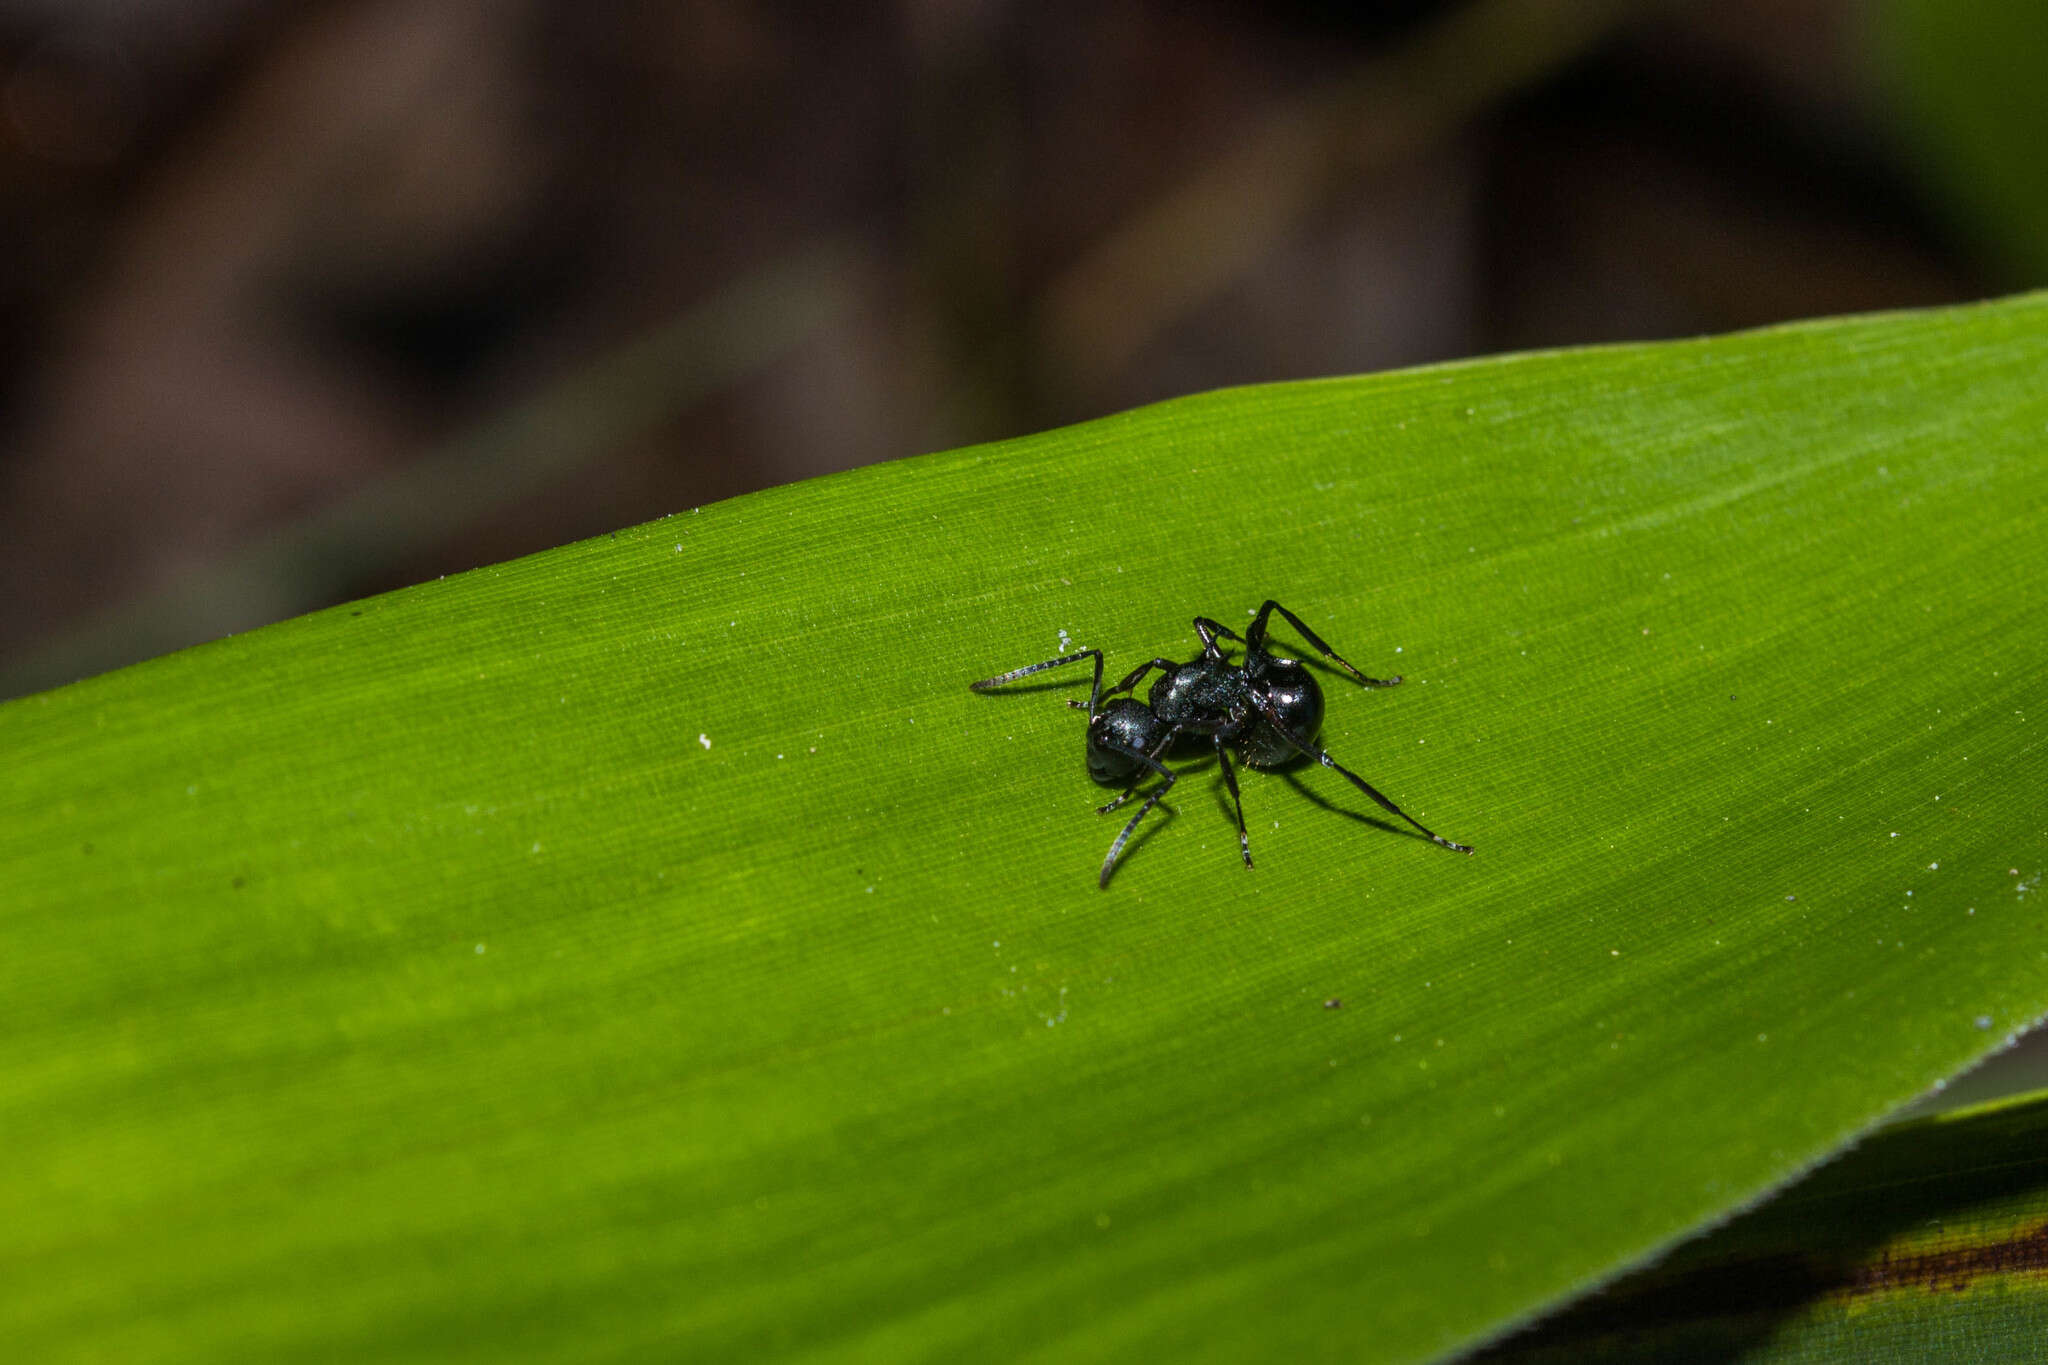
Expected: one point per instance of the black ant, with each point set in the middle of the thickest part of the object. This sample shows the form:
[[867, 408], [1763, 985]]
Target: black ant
[[1268, 708]]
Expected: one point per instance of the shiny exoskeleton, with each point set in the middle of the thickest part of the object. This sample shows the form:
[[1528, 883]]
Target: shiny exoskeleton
[[1268, 709]]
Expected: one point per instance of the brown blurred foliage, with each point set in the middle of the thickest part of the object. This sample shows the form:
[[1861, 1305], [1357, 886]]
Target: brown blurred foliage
[[260, 255]]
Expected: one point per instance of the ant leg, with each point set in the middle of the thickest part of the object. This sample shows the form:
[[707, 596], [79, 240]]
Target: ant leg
[[1094, 695], [1321, 756], [1126, 685], [1209, 631], [1138, 673], [1256, 639], [1124, 837], [1244, 841], [1150, 760]]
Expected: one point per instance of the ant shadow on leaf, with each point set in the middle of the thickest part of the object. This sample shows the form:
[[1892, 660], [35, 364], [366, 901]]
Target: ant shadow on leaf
[[1293, 779]]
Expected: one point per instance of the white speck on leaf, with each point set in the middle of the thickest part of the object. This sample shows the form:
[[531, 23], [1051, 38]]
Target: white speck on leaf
[[704, 740]]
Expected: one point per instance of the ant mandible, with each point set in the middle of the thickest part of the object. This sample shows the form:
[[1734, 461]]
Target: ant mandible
[[1268, 708]]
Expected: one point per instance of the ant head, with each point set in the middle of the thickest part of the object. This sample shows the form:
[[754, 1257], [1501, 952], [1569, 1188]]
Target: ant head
[[1123, 728]]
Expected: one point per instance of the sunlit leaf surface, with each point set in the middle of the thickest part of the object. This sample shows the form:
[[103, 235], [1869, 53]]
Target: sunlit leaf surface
[[652, 950]]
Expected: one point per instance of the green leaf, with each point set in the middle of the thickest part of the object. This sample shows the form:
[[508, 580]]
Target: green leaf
[[652, 948], [1927, 1243]]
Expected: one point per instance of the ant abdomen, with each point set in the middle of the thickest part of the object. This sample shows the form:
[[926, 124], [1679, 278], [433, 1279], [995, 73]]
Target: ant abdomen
[[1298, 702]]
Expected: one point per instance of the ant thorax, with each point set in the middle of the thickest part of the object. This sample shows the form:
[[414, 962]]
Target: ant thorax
[[1207, 695]]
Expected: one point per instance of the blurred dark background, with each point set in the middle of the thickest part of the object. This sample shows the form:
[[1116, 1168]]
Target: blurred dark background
[[303, 300]]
